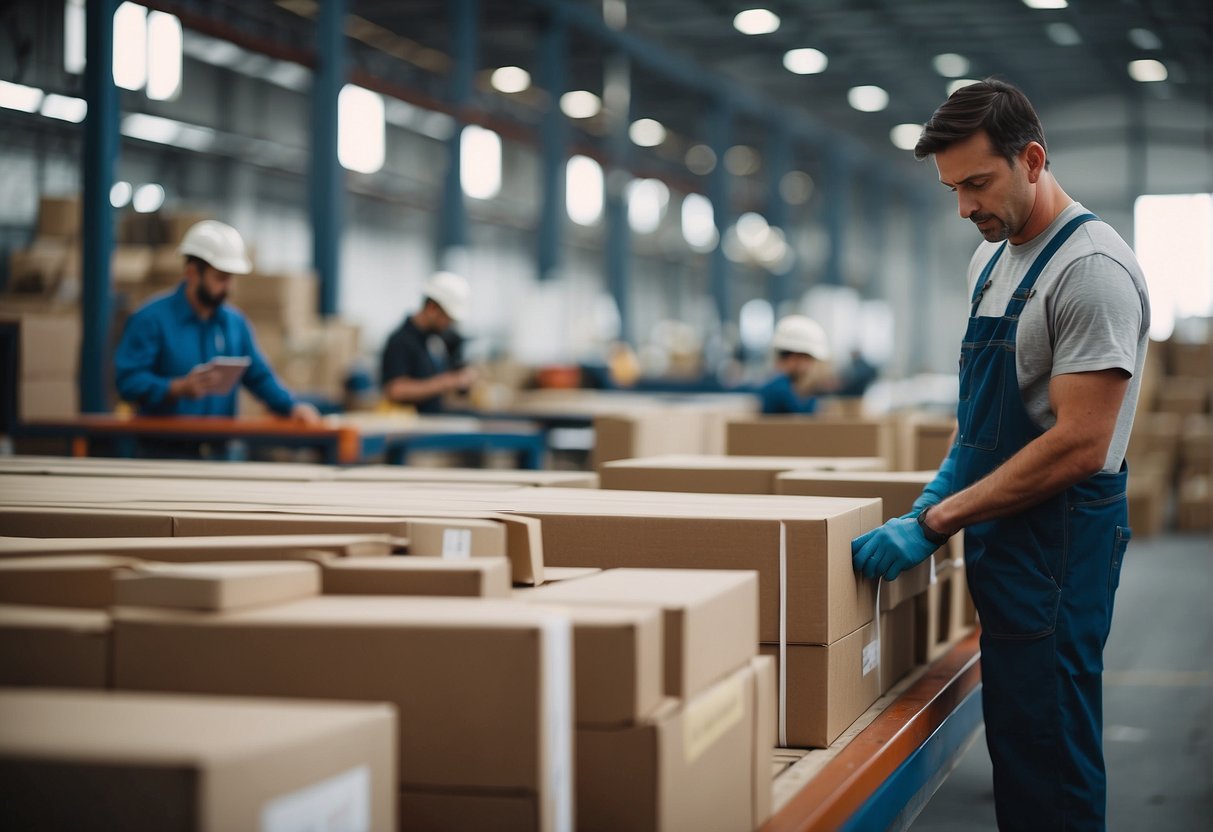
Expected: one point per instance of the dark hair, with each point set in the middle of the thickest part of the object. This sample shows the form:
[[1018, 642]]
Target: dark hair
[[998, 108], [198, 262]]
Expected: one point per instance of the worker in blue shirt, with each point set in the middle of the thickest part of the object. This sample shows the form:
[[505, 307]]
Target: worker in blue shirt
[[799, 343], [165, 364]]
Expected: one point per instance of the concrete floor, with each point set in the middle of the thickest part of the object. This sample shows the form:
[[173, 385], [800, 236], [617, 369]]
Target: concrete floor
[[1158, 702]]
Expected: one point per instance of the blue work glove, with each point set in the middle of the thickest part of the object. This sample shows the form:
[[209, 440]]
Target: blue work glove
[[938, 488], [889, 550]]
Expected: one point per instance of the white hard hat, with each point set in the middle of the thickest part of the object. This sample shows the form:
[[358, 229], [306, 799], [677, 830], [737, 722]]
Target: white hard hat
[[451, 292], [219, 245], [797, 333]]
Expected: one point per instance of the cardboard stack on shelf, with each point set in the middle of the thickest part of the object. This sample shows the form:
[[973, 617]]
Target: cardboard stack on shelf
[[47, 361]]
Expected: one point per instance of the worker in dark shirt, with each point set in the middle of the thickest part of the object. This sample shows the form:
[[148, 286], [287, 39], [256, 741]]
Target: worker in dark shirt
[[167, 363], [799, 343], [423, 358]]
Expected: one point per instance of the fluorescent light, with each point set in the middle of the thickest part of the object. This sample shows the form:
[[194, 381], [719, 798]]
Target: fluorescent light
[[150, 128], [756, 22], [1045, 4], [480, 162], [951, 65], [958, 83], [73, 36], [163, 56], [905, 136], [752, 229], [130, 46], [647, 200], [580, 104], [1147, 71], [1063, 34], [868, 98], [805, 61], [147, 198], [64, 108], [699, 223], [1144, 39], [20, 97], [510, 79], [360, 129], [646, 132], [796, 187], [583, 190], [700, 159], [120, 194]]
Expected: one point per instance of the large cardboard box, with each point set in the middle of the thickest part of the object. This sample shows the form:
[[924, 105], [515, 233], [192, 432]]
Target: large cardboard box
[[1196, 447], [290, 299], [39, 521], [942, 614], [704, 474], [418, 575], [1194, 508], [822, 689], [813, 436], [897, 644], [483, 688], [928, 442], [1148, 492], [195, 549], [1185, 396], [69, 581], [40, 270], [40, 399], [216, 587], [710, 616], [59, 217], [643, 431], [689, 766], [85, 760], [48, 345], [766, 736], [1190, 360], [473, 476], [54, 646]]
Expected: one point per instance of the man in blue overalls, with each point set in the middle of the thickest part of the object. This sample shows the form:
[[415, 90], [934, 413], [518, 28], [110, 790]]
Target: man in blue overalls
[[1050, 368]]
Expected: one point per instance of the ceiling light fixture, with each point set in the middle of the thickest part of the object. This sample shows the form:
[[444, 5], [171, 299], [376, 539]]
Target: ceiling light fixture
[[580, 104], [905, 136], [868, 98], [951, 65], [805, 61], [646, 132], [756, 22], [958, 83], [1147, 71], [1045, 4], [510, 79]]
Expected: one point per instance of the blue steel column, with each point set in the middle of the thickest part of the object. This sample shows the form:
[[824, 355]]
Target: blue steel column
[[100, 151], [837, 205], [618, 102], [719, 129], [327, 183], [553, 68], [452, 220], [779, 160]]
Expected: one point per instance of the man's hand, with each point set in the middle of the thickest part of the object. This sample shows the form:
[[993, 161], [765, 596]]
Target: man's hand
[[889, 550], [460, 380], [198, 382], [305, 414]]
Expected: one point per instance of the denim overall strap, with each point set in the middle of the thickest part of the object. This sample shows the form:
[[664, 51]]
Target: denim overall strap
[[1043, 582]]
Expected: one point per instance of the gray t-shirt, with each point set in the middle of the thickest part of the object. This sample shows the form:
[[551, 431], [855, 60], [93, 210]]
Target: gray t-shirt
[[1091, 311]]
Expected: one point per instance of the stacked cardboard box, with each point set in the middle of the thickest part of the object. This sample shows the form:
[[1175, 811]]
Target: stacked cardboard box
[[48, 348], [814, 436], [709, 474]]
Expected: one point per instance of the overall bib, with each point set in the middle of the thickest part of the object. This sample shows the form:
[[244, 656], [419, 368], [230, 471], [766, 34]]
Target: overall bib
[[1043, 583]]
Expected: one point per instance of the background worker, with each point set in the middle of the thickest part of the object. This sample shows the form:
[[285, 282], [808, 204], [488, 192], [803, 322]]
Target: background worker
[[1050, 368], [799, 344], [423, 359], [164, 362]]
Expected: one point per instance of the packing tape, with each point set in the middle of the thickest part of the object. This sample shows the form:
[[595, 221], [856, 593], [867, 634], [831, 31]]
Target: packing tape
[[783, 634], [934, 578], [557, 656]]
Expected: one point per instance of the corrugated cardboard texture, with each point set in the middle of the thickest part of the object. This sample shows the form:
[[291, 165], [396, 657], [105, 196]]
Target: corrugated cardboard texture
[[418, 575], [216, 587], [812, 436], [54, 647], [195, 549], [827, 689], [710, 616], [689, 767], [82, 522], [76, 760], [706, 474], [469, 676], [67, 581]]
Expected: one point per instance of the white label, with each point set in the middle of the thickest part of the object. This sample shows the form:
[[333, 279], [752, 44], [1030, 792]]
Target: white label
[[871, 656], [338, 804], [457, 544], [707, 718]]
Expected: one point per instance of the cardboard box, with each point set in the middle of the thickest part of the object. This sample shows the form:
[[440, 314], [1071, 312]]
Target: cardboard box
[[418, 575], [1185, 396], [85, 760], [54, 646], [216, 587], [131, 265], [48, 398], [496, 719], [826, 687], [1196, 447], [41, 269], [68, 581], [928, 443], [1148, 491], [48, 345], [941, 615], [766, 737], [1192, 361], [1194, 509], [457, 811], [289, 299], [36, 521], [690, 766], [719, 474], [641, 432], [897, 644], [472, 476], [812, 436], [195, 549], [710, 616], [59, 217]]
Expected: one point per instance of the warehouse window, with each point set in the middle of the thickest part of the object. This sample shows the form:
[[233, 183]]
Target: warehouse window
[[130, 46], [360, 130], [480, 162], [163, 56], [1174, 243], [584, 190], [699, 223]]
